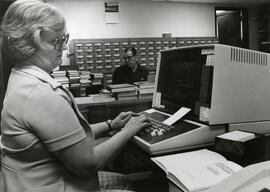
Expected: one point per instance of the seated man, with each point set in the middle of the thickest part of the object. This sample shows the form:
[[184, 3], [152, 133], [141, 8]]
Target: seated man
[[131, 71]]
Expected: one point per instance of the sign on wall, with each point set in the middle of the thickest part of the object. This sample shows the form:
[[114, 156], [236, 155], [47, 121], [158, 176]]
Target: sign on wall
[[111, 12]]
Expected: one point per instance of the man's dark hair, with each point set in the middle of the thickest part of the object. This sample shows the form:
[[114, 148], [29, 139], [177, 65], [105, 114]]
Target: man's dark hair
[[132, 49]]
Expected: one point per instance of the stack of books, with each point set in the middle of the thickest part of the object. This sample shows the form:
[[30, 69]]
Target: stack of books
[[60, 77], [145, 89], [97, 78], [74, 78], [123, 91], [85, 78], [85, 81]]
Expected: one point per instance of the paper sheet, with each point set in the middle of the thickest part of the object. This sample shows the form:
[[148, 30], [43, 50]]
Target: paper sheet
[[176, 116], [150, 111], [238, 136]]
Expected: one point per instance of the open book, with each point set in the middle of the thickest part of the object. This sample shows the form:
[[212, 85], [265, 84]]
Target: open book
[[255, 177], [196, 170]]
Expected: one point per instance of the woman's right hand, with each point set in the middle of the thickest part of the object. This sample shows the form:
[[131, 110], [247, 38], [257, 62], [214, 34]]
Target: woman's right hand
[[135, 124]]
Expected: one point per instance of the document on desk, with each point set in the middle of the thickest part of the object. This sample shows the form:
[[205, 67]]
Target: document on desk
[[176, 116], [236, 135], [254, 177], [196, 170]]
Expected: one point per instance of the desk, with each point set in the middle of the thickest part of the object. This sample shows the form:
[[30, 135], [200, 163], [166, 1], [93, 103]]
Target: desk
[[145, 159], [133, 159], [97, 109]]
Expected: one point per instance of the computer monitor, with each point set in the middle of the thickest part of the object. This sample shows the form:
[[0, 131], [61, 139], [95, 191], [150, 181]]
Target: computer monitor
[[220, 84]]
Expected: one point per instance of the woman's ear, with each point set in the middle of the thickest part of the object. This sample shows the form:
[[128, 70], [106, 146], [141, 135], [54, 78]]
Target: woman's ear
[[37, 37], [42, 39]]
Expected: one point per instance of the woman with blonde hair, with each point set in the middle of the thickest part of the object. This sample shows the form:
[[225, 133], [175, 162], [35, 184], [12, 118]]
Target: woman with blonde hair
[[47, 144]]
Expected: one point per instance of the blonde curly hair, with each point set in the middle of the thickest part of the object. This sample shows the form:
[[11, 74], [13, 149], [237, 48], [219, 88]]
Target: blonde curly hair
[[22, 24]]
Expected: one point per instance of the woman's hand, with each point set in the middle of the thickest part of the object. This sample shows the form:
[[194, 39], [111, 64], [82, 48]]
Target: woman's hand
[[121, 120], [135, 124]]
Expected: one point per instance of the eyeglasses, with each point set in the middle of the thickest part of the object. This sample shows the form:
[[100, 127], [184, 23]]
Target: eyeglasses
[[129, 58], [58, 42]]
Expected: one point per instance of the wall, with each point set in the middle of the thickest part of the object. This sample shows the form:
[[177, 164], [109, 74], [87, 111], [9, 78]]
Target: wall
[[86, 19], [253, 31]]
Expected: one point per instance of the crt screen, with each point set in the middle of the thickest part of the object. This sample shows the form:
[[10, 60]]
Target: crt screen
[[180, 78]]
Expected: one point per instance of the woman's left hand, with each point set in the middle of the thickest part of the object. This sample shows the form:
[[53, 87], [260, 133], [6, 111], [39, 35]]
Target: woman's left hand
[[121, 120]]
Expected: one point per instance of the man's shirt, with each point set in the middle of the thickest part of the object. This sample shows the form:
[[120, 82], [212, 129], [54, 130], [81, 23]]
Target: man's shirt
[[124, 74]]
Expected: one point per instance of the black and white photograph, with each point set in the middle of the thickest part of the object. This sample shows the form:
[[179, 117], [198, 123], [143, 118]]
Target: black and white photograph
[[135, 95]]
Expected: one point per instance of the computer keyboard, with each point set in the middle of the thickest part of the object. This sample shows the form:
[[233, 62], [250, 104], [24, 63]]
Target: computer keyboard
[[160, 131], [184, 134]]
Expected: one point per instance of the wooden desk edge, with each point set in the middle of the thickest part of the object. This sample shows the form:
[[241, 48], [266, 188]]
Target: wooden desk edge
[[119, 102]]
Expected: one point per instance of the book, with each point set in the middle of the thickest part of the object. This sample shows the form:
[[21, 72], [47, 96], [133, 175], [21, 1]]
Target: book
[[254, 177], [144, 84], [236, 135], [196, 170], [121, 87], [94, 98], [145, 89], [125, 95], [97, 78], [146, 95]]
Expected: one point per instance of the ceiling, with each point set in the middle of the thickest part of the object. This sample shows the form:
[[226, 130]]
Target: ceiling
[[243, 2], [231, 2]]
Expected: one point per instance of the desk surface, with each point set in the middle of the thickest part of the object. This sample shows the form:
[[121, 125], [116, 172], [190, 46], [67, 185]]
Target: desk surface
[[96, 100], [98, 109]]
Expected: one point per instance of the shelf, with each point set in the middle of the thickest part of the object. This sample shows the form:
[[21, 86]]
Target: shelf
[[260, 18], [264, 31], [265, 43]]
